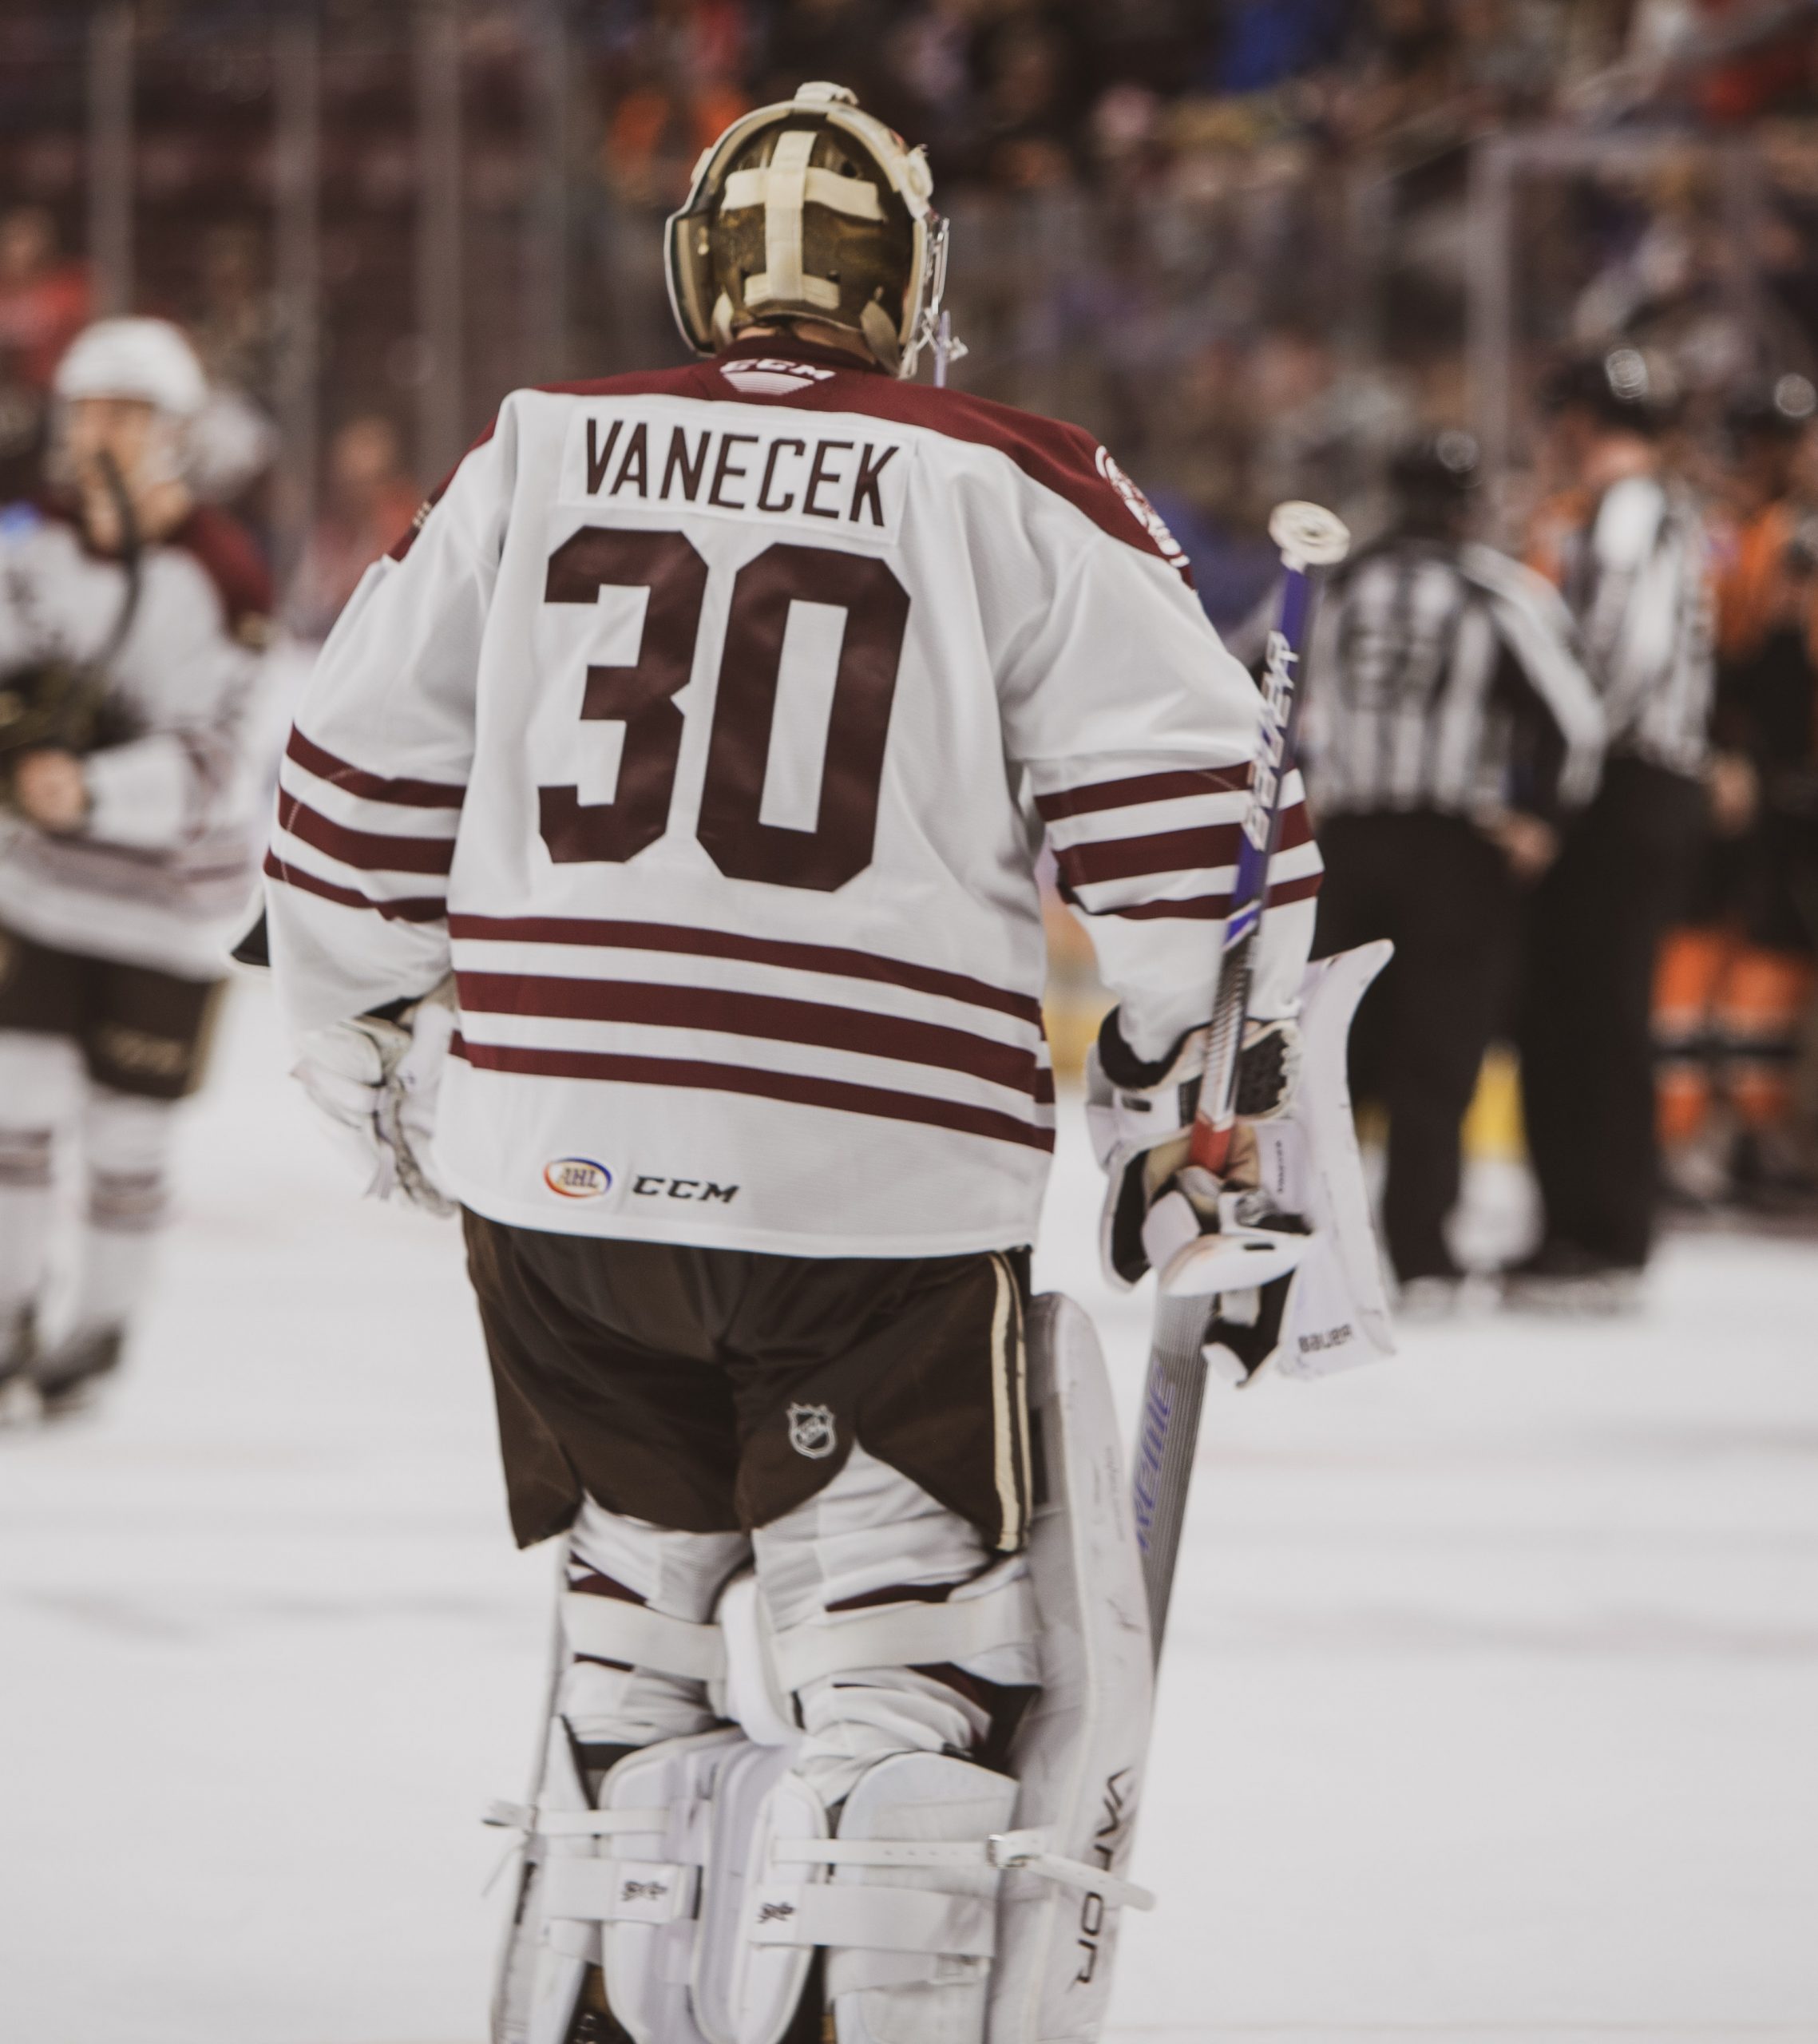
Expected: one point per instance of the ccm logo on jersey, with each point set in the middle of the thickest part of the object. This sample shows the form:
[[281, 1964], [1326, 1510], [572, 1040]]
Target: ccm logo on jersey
[[813, 477], [650, 1185], [576, 1178]]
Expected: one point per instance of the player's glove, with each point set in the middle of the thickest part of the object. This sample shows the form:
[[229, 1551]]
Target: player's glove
[[1201, 1232], [376, 1078]]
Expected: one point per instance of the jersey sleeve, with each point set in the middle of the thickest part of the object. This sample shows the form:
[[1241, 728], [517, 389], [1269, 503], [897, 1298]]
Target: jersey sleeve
[[1137, 729], [375, 771], [1543, 671], [176, 784]]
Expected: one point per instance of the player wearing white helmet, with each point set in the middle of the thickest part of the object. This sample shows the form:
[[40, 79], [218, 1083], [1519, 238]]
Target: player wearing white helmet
[[684, 763], [130, 618]]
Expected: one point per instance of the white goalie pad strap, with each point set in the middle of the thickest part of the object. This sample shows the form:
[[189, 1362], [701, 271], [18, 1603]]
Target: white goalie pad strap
[[1004, 1850], [906, 1635], [572, 1824], [619, 1891], [608, 1629], [913, 1919]]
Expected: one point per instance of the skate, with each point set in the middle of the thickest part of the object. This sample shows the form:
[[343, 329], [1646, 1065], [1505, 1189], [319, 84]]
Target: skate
[[594, 2022], [1561, 1277], [68, 1376]]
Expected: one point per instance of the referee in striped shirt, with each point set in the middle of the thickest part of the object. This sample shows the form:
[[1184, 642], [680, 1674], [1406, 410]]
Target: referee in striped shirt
[[1627, 547], [1449, 728]]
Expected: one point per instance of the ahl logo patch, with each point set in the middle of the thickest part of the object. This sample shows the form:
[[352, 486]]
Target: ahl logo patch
[[811, 1432], [576, 1178]]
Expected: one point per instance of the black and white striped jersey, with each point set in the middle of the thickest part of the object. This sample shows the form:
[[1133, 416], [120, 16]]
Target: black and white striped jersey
[[1447, 677], [1634, 576]]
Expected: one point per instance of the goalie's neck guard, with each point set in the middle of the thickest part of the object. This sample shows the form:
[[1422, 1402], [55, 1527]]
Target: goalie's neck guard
[[809, 209]]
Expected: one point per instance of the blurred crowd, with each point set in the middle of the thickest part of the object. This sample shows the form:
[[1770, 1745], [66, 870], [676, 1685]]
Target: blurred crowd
[[1239, 239]]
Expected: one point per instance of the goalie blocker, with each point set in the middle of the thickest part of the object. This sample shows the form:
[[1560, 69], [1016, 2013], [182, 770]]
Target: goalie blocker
[[953, 1902]]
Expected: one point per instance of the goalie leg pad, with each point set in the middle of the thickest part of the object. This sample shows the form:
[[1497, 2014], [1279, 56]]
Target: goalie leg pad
[[1080, 1752], [617, 1884], [903, 1898]]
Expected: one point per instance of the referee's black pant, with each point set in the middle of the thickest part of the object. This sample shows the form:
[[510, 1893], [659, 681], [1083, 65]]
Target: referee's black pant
[[1443, 892], [1585, 1017]]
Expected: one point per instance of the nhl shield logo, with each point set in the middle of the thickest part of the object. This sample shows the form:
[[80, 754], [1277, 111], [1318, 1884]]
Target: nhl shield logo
[[811, 1431]]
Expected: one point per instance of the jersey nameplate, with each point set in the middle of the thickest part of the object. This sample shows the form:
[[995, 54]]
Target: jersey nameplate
[[813, 473]]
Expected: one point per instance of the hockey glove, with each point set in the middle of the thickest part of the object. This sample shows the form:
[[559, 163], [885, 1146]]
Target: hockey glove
[[1160, 1208], [376, 1078]]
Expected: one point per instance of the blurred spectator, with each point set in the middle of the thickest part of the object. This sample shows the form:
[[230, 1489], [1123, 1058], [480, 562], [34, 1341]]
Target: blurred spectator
[[43, 303], [370, 503], [840, 40], [1737, 983], [44, 298], [1030, 62], [234, 328]]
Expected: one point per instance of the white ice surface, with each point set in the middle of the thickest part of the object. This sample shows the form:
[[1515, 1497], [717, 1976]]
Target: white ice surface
[[1491, 1709]]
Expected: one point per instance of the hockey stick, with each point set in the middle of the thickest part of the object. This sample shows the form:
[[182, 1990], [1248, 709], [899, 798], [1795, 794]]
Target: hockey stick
[[1175, 1390]]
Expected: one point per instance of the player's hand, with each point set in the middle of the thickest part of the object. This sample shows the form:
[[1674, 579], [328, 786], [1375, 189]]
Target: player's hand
[[1140, 1116], [376, 1079], [1528, 843], [1733, 789], [51, 790]]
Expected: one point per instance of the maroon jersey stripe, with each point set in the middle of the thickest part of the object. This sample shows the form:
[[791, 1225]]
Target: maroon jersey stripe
[[1211, 908], [799, 1087], [754, 950], [1170, 851], [412, 908], [372, 851], [373, 787], [740, 1014], [1165, 851], [1171, 786]]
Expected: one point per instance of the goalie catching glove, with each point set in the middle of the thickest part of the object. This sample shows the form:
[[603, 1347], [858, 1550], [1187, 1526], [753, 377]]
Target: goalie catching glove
[[376, 1078]]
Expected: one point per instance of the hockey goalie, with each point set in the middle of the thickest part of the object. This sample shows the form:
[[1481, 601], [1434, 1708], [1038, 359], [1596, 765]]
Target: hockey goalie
[[654, 881]]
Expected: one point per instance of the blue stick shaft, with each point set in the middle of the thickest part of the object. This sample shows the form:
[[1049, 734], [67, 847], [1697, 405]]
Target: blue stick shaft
[[1168, 1430]]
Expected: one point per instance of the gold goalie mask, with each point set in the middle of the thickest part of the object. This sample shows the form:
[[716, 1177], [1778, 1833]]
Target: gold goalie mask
[[810, 210]]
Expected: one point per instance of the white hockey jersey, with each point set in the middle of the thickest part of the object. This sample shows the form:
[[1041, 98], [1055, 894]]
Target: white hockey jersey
[[162, 870], [692, 726]]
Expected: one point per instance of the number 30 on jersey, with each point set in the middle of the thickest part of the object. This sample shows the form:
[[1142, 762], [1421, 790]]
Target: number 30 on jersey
[[642, 698]]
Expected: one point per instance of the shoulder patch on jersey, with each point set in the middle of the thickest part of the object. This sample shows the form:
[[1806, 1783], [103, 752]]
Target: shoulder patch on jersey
[[224, 550], [1145, 514]]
